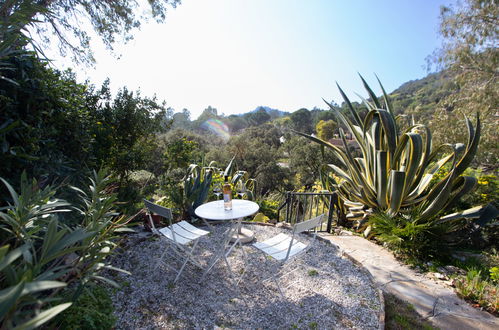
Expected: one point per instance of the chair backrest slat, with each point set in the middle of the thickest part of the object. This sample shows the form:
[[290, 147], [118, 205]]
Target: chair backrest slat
[[308, 224], [159, 210]]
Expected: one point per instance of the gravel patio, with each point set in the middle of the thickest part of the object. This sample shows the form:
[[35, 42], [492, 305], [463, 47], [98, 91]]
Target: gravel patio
[[328, 291]]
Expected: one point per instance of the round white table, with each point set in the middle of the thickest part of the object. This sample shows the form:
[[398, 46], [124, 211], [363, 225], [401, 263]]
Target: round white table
[[240, 208]]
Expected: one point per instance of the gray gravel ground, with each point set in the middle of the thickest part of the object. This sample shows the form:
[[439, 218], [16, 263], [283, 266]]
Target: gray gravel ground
[[327, 291]]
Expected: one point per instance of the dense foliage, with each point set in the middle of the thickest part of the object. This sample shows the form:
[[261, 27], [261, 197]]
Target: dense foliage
[[53, 127], [41, 255], [92, 310], [469, 52]]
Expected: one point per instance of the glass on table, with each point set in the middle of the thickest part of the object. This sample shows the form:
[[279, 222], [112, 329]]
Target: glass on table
[[217, 190], [240, 189]]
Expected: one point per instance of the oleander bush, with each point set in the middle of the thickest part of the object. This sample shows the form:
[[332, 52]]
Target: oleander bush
[[41, 255]]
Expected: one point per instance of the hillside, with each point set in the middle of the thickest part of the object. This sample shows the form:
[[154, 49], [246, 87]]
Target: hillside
[[421, 97], [274, 113]]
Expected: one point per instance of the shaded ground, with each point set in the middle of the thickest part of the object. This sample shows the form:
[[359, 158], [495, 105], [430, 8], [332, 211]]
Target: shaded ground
[[329, 291], [400, 315]]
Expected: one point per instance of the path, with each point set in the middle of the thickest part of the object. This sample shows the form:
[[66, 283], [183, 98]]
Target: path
[[430, 299]]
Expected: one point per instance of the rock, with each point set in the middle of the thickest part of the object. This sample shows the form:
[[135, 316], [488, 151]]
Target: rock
[[283, 225], [449, 283], [346, 233], [438, 276], [450, 270]]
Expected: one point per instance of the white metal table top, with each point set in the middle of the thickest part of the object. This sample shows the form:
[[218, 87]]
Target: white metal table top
[[215, 210]]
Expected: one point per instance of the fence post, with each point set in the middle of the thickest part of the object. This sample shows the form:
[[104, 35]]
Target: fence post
[[330, 213]]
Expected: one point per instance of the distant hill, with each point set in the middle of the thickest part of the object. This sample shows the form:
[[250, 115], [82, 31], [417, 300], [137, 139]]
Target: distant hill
[[274, 113], [421, 97]]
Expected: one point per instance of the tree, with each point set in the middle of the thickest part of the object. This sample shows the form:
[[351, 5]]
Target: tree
[[57, 127], [469, 51], [125, 137], [325, 129], [62, 19], [208, 113], [235, 123], [324, 115], [257, 118], [306, 160], [257, 151], [182, 119], [302, 120]]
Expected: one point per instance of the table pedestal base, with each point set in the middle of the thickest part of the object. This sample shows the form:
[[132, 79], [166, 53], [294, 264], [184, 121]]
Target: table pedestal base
[[245, 236]]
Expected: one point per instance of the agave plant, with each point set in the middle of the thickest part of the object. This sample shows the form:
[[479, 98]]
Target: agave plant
[[196, 186], [396, 167], [241, 176]]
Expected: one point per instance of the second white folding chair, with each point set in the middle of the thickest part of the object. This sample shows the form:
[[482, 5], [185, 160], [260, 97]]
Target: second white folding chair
[[283, 247], [182, 237]]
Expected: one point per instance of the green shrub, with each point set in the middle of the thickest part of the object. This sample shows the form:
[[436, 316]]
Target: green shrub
[[475, 288], [402, 233], [92, 310], [40, 256], [269, 207], [494, 274]]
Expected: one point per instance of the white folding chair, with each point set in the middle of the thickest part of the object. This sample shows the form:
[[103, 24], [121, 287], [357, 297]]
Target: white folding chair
[[283, 247], [182, 238]]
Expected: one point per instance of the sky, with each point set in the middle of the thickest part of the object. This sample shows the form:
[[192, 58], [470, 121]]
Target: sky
[[235, 55]]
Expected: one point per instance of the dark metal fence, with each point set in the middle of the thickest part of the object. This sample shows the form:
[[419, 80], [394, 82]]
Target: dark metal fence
[[300, 206]]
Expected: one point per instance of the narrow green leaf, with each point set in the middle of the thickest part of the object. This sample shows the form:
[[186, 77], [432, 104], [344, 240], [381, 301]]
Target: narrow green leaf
[[8, 298], [462, 186], [43, 317], [354, 113], [229, 168], [12, 192], [36, 286], [483, 213], [3, 251], [106, 280], [117, 269], [472, 147], [389, 129], [397, 180], [124, 230], [414, 157], [370, 92], [12, 255], [437, 203], [388, 102], [382, 178]]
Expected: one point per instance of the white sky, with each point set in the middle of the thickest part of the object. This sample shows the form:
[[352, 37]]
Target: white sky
[[238, 54]]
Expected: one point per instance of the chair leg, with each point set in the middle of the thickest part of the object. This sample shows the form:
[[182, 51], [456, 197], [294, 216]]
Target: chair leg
[[165, 252], [181, 270], [182, 254], [276, 281]]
